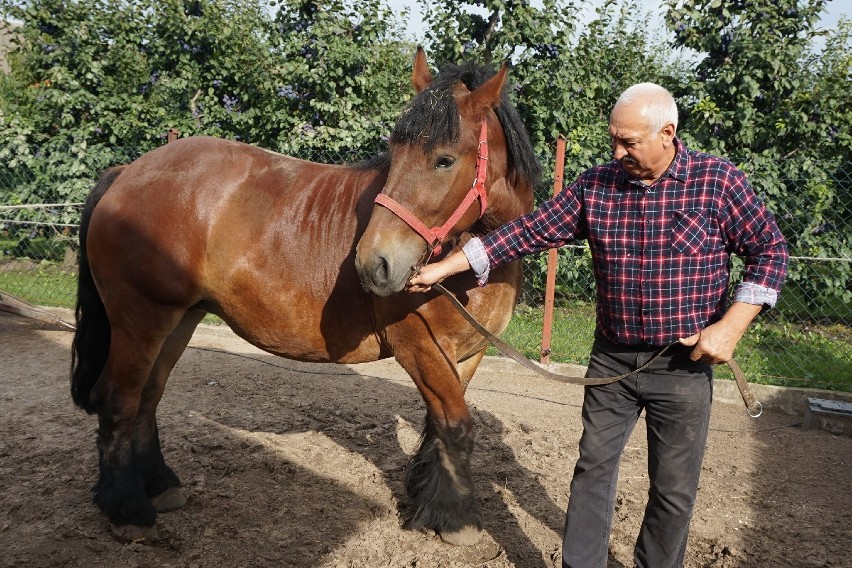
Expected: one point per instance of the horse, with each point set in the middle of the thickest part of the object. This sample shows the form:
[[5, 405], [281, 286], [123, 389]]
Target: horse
[[306, 261]]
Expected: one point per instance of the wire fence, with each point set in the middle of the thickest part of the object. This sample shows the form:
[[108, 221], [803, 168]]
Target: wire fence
[[804, 341]]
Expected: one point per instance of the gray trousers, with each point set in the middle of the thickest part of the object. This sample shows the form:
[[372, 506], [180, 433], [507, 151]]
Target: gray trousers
[[676, 394]]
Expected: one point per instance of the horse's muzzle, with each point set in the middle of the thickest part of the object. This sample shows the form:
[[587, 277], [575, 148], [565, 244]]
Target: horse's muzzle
[[375, 274], [385, 270]]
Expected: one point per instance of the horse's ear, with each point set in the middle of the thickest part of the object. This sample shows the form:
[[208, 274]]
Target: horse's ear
[[421, 77], [488, 95]]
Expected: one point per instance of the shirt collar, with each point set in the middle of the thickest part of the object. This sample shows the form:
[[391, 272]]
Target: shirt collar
[[680, 165]]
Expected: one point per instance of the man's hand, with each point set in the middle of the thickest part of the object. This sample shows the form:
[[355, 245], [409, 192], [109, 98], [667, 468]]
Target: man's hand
[[712, 345], [433, 273], [426, 277], [716, 343]]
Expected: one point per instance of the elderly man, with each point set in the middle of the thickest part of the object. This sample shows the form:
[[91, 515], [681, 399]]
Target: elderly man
[[661, 221]]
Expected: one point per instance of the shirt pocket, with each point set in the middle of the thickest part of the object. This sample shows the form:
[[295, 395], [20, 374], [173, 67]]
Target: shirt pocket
[[690, 232]]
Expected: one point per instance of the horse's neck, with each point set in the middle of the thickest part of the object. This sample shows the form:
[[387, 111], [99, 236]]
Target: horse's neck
[[509, 198]]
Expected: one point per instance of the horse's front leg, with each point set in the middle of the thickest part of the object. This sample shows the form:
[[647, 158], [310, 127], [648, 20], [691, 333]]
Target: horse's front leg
[[438, 479]]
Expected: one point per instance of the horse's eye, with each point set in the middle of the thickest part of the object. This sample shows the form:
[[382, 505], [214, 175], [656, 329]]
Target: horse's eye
[[445, 162]]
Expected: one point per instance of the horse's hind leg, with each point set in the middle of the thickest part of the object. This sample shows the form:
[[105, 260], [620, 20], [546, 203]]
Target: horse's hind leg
[[138, 332], [161, 482]]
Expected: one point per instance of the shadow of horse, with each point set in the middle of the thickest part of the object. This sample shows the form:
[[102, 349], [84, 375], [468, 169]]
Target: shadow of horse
[[350, 414]]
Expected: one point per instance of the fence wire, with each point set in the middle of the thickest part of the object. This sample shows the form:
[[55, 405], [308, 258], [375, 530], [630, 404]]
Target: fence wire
[[806, 340]]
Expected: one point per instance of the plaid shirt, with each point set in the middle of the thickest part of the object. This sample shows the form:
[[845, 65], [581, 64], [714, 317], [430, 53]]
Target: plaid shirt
[[661, 253]]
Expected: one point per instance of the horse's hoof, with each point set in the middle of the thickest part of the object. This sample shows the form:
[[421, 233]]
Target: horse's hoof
[[467, 536], [169, 500], [134, 533]]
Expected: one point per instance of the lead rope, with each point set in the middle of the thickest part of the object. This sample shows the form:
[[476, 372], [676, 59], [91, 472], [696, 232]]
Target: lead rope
[[753, 407]]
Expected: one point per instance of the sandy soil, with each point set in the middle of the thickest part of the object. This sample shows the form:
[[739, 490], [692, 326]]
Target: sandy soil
[[287, 464]]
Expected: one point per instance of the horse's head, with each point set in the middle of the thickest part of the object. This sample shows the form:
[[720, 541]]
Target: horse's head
[[449, 166]]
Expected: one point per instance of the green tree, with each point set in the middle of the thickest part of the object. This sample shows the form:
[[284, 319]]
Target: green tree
[[752, 88], [123, 71], [65, 62], [344, 75], [96, 83], [565, 77], [210, 68]]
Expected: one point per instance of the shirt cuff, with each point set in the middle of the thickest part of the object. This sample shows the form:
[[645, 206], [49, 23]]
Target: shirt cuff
[[478, 259], [756, 294]]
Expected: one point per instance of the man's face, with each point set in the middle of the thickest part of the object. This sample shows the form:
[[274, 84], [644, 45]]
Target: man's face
[[643, 154]]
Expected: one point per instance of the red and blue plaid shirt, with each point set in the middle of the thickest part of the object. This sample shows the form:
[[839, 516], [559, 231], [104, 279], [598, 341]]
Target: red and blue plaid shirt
[[661, 252]]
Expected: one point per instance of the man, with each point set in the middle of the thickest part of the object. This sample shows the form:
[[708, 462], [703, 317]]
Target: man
[[662, 222]]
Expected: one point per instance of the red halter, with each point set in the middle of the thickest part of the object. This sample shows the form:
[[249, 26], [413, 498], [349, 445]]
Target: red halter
[[436, 235]]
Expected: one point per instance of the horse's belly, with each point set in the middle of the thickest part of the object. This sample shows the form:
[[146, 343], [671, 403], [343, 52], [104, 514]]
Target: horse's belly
[[298, 326]]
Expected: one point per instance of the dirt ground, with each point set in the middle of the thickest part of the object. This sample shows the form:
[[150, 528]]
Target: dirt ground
[[287, 464]]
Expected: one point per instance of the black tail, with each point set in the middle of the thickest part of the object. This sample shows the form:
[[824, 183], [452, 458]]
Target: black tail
[[91, 340]]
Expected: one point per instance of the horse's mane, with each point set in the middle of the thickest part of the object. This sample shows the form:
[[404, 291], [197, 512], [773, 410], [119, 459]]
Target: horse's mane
[[432, 118]]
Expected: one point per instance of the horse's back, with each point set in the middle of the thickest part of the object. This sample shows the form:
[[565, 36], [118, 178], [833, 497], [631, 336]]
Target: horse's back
[[242, 232]]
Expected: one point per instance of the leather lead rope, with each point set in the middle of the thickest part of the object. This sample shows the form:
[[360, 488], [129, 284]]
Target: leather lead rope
[[753, 407]]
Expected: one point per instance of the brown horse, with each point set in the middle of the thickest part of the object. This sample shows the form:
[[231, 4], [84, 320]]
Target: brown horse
[[296, 258]]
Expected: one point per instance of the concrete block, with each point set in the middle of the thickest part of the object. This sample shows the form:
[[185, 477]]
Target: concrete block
[[832, 415]]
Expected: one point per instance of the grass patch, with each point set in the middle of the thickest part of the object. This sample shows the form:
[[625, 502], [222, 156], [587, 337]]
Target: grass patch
[[772, 352], [46, 283], [571, 338], [42, 284], [796, 355]]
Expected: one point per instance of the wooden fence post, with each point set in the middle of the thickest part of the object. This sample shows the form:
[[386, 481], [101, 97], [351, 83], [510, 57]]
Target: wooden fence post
[[172, 135], [552, 257]]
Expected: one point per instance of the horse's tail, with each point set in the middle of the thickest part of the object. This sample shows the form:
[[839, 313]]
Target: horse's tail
[[92, 338]]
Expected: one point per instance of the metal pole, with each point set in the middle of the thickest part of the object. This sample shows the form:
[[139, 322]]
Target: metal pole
[[550, 285]]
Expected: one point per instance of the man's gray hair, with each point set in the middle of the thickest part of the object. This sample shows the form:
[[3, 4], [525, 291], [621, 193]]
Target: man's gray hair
[[659, 104]]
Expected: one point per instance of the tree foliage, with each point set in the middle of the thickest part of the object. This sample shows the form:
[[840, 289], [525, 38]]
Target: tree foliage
[[96, 82], [759, 85], [130, 69], [90, 78], [344, 78]]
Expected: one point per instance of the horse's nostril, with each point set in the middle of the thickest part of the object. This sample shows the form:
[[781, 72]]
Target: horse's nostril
[[382, 272]]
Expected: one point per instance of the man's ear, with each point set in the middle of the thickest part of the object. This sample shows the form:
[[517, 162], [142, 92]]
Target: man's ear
[[668, 132]]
